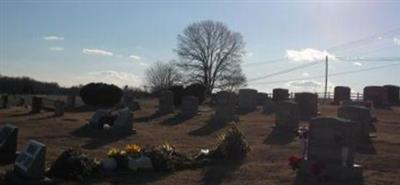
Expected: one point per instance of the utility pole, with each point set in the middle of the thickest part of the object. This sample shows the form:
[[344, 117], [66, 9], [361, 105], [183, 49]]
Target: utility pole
[[326, 78]]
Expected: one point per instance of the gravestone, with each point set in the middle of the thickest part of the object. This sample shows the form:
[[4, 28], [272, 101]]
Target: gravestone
[[129, 101], [287, 116], [4, 101], [393, 97], [166, 102], [8, 142], [261, 98], [331, 148], [189, 106], [59, 107], [21, 101], [31, 162], [71, 101], [308, 105], [341, 94], [247, 99], [376, 94], [280, 94], [269, 106], [124, 121], [96, 117], [37, 104], [361, 117], [225, 106]]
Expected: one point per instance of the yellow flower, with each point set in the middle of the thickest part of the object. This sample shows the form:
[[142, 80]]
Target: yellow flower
[[122, 152], [167, 147], [113, 152], [133, 149]]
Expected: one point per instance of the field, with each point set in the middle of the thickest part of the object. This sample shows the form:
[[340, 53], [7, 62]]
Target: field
[[266, 163]]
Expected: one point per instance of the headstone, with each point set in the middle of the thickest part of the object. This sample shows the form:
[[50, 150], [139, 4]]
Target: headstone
[[225, 106], [97, 116], [269, 106], [21, 101], [37, 104], [376, 94], [393, 96], [361, 117], [247, 99], [31, 162], [261, 98], [287, 116], [129, 101], [189, 106], [279, 94], [308, 105], [331, 149], [166, 102], [8, 142], [59, 107], [4, 101], [341, 94], [71, 101], [124, 121]]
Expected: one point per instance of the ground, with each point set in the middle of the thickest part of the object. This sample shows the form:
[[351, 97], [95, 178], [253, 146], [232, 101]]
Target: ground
[[266, 164]]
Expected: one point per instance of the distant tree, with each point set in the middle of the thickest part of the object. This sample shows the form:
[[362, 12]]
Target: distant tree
[[210, 53], [161, 76], [233, 81]]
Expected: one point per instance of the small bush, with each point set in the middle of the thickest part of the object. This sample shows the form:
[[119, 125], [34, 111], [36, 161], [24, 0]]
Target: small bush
[[101, 94]]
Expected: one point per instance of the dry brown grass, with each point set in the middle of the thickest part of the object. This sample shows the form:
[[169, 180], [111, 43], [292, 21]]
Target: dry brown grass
[[265, 164]]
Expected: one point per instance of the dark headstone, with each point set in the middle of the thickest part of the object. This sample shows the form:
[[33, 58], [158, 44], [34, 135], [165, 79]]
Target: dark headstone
[[59, 107], [279, 94], [261, 98], [166, 102], [71, 101], [189, 106], [361, 117], [37, 104], [287, 116], [308, 105], [393, 96], [376, 94], [4, 101], [247, 99], [8, 142], [269, 106], [225, 106], [31, 162], [341, 94]]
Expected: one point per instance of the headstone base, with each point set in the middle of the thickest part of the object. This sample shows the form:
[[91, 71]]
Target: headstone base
[[329, 175]]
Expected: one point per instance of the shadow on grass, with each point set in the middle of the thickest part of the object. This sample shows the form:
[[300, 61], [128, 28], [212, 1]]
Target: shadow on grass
[[21, 114], [155, 115], [177, 119], [44, 118], [130, 177], [212, 126], [219, 171], [83, 108], [280, 137], [98, 138]]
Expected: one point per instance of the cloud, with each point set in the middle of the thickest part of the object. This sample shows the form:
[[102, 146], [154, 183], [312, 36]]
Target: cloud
[[396, 41], [308, 55], [143, 64], [309, 85], [135, 57], [56, 48], [305, 74], [114, 77], [357, 63], [53, 38], [97, 52]]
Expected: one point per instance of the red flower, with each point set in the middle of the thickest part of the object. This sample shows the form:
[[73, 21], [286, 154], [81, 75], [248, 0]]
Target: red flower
[[294, 162]]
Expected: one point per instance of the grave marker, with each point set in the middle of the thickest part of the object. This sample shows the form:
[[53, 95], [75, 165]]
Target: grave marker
[[59, 107], [280, 94], [166, 102], [37, 104], [261, 98], [308, 105], [393, 96], [341, 93], [8, 142], [31, 162], [377, 95], [287, 116], [189, 106], [225, 106], [247, 99], [361, 117]]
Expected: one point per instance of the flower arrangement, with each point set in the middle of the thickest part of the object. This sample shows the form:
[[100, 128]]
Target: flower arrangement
[[133, 150], [231, 144], [294, 162]]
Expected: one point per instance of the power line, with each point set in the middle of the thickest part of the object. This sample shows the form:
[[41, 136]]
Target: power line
[[285, 71], [333, 74]]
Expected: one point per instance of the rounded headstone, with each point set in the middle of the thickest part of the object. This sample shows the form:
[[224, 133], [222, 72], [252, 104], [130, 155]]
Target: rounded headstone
[[393, 96], [308, 105], [280, 94], [247, 99], [341, 93], [376, 94]]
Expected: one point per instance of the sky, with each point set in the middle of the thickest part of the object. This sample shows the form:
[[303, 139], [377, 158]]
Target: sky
[[76, 42]]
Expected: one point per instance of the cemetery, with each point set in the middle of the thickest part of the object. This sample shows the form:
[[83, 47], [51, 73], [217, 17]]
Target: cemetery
[[118, 143]]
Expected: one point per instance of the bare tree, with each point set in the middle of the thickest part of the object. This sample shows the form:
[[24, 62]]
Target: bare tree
[[162, 76], [209, 53]]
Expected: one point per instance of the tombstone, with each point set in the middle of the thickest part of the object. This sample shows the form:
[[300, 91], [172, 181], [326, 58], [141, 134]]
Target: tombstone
[[8, 143], [287, 116], [279, 94], [189, 106], [21, 101], [96, 117], [166, 102], [4, 101], [261, 98], [341, 94], [37, 104], [31, 162], [124, 121], [361, 117], [376, 94], [308, 105], [59, 108], [247, 99], [225, 106], [269, 106], [393, 97], [71, 101], [331, 148]]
